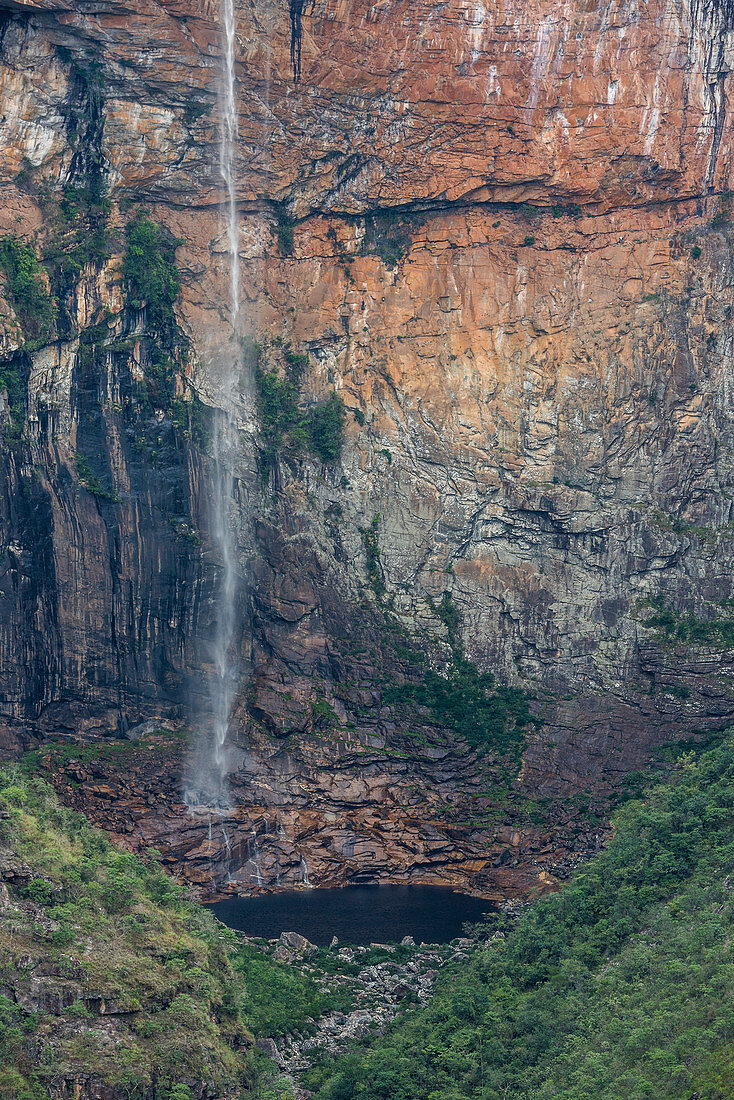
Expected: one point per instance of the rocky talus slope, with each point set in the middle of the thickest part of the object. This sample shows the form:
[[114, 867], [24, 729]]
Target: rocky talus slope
[[501, 234]]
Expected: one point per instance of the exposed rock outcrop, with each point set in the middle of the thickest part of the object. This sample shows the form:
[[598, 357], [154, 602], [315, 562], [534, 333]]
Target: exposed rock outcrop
[[502, 235]]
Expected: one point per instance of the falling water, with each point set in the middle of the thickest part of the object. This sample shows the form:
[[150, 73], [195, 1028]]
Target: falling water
[[210, 783], [224, 430], [222, 685], [227, 152], [255, 859], [304, 874]]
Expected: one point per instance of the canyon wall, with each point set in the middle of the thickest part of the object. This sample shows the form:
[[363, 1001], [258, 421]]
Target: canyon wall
[[501, 235]]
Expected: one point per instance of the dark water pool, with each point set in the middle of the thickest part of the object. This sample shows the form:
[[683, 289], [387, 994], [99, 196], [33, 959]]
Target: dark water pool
[[355, 914]]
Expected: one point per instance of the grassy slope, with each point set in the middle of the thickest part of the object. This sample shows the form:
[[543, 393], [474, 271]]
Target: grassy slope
[[108, 970], [621, 986]]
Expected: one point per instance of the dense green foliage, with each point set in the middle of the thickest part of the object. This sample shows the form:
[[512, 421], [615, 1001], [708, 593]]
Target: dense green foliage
[[326, 428], [79, 233], [152, 281], [470, 703], [27, 290], [622, 985], [151, 276], [282, 423], [371, 541], [88, 917], [276, 999], [285, 427], [284, 231], [11, 380]]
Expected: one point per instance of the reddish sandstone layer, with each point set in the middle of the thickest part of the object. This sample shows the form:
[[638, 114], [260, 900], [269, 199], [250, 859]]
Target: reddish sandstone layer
[[510, 256]]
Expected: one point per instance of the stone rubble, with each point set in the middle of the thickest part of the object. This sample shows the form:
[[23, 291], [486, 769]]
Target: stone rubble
[[378, 992]]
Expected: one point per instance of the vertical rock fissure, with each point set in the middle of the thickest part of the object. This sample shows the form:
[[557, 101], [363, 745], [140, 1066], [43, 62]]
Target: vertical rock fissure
[[297, 10]]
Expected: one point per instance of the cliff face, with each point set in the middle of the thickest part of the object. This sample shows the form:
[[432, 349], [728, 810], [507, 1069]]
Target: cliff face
[[502, 236]]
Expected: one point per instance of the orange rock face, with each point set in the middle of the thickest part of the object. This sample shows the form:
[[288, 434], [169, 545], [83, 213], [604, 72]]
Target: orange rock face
[[501, 233]]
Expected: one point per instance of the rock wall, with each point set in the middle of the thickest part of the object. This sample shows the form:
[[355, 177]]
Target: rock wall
[[502, 235]]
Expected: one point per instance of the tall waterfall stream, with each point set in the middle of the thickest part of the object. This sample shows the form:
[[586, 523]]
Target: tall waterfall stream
[[210, 786]]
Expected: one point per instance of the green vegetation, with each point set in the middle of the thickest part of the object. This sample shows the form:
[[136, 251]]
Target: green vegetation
[[11, 380], [126, 934], [192, 418], [91, 920], [387, 234], [326, 428], [282, 423], [372, 555], [75, 219], [672, 627], [285, 427], [152, 282], [570, 210], [91, 482], [622, 985], [467, 701], [276, 999], [324, 715], [27, 289], [470, 703], [151, 277], [284, 231], [79, 234], [78, 219]]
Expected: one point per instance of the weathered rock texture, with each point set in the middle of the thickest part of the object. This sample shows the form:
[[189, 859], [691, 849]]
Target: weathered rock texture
[[511, 255]]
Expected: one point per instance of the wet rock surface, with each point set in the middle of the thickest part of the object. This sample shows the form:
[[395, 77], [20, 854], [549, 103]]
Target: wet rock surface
[[271, 839]]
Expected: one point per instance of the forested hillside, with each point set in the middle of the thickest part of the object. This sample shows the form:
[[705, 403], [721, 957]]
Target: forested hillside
[[621, 986], [112, 981]]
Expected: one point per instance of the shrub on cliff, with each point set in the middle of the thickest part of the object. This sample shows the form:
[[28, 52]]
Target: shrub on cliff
[[326, 428], [486, 714], [11, 380], [151, 276], [286, 428], [27, 289], [469, 702]]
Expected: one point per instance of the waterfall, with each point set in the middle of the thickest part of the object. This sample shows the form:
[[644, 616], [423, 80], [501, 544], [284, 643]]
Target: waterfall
[[227, 152], [228, 855], [255, 859], [224, 432], [209, 785], [304, 874], [223, 682]]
